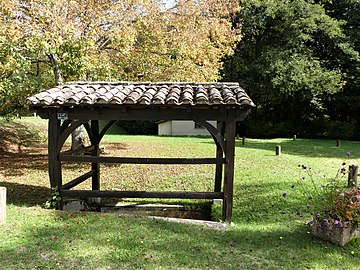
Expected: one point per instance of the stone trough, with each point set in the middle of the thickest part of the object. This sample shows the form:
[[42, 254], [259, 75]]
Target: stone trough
[[187, 214]]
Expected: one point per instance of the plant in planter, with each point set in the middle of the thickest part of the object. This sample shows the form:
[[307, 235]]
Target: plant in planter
[[334, 207]]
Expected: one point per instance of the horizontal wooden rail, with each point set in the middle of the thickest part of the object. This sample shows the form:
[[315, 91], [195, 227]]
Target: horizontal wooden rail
[[129, 160], [79, 180], [141, 194]]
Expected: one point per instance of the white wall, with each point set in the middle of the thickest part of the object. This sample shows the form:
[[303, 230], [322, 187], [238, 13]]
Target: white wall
[[183, 128], [164, 128]]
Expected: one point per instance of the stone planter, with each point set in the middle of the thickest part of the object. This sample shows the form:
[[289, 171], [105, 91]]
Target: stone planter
[[336, 234]]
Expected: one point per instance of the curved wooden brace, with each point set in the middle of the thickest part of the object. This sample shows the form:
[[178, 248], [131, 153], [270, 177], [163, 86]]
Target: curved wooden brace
[[67, 131], [106, 129], [64, 125], [242, 115], [215, 133]]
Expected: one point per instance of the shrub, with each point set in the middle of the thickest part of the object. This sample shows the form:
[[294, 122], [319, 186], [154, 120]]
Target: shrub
[[138, 127]]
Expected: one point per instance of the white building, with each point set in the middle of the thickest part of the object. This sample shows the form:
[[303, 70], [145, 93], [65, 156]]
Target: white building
[[187, 128]]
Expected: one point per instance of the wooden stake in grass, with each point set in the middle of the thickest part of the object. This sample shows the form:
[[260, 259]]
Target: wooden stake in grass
[[353, 175], [278, 150], [243, 140], [2, 205], [338, 143]]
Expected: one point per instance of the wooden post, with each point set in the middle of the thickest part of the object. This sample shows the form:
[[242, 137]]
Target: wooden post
[[278, 150], [95, 184], [353, 176], [219, 154], [229, 166], [338, 143], [95, 165], [2, 205], [294, 137], [53, 152], [243, 142]]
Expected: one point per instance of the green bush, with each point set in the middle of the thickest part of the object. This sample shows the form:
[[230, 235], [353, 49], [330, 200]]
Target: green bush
[[340, 130], [266, 129], [138, 127], [314, 129]]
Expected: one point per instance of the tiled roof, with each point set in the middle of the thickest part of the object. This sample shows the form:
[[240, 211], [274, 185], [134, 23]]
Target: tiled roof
[[142, 93]]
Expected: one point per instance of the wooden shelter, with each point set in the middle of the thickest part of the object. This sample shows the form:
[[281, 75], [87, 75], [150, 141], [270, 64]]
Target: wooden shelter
[[85, 103]]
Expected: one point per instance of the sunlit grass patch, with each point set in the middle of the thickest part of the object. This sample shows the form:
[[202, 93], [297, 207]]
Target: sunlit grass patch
[[261, 237]]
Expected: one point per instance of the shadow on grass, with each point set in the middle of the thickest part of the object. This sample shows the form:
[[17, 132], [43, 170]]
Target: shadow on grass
[[305, 147], [17, 135], [94, 241], [15, 164], [25, 195]]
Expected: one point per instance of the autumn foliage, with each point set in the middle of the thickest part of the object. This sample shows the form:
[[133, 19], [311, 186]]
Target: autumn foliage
[[47, 42]]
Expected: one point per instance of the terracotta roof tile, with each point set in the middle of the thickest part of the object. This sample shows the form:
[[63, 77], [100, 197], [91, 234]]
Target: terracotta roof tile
[[147, 93]]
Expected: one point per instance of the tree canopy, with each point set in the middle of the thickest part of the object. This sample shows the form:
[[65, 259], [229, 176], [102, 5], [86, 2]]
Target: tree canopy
[[298, 59], [295, 59], [47, 42]]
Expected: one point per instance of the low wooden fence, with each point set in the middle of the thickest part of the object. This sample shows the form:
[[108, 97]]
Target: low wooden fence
[[353, 176]]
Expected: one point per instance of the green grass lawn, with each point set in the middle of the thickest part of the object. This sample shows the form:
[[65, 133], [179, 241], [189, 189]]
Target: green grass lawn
[[261, 237]]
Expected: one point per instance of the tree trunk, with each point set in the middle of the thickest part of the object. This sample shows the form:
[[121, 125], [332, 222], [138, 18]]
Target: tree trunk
[[57, 72], [77, 136]]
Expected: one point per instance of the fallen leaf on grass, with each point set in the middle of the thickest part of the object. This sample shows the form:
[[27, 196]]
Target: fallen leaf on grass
[[148, 256]]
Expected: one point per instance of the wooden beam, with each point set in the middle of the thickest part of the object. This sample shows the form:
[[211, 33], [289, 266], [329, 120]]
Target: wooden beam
[[219, 155], [229, 166], [43, 113], [139, 113], [140, 194], [128, 160], [95, 166], [64, 125], [242, 114], [78, 180], [67, 131], [214, 132], [53, 150]]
